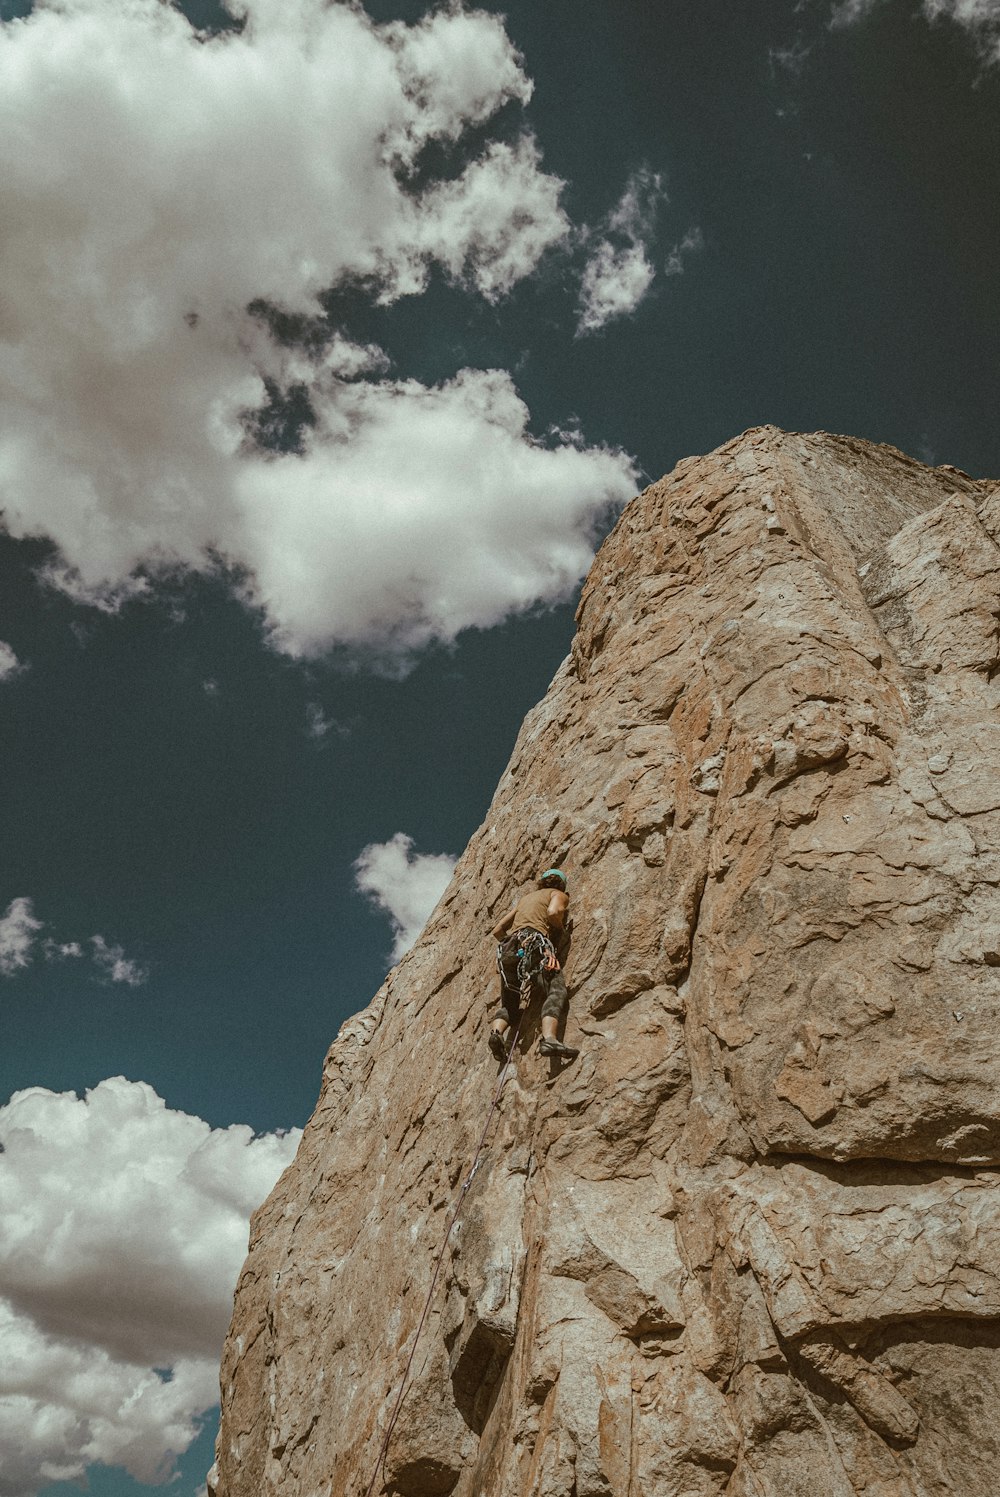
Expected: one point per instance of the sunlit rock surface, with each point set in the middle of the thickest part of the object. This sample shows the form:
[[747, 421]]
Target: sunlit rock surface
[[749, 1243]]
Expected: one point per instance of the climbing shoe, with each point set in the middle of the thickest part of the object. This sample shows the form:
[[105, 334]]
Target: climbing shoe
[[558, 1049], [498, 1045]]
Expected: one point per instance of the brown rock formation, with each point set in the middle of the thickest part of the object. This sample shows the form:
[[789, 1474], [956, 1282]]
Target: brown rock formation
[[749, 1243]]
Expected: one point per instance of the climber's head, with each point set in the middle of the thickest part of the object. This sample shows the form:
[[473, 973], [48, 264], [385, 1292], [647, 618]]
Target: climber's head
[[552, 878]]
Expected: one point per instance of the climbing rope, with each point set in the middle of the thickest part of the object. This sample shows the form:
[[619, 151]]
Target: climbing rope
[[532, 956]]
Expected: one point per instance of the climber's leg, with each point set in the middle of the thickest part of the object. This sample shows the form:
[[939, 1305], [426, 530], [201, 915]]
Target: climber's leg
[[554, 1011], [498, 1042], [503, 1020]]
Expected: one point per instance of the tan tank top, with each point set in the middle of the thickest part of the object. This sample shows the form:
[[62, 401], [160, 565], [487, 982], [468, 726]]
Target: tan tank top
[[530, 912]]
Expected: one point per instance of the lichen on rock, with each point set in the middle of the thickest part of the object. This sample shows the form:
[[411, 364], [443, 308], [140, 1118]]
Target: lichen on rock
[[749, 1242]]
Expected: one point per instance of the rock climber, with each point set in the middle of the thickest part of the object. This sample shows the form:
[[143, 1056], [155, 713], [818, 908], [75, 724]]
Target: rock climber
[[541, 912]]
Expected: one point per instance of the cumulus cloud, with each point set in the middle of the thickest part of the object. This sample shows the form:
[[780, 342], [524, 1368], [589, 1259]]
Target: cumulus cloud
[[420, 512], [18, 929], [692, 242], [405, 884], [123, 1231], [261, 167], [619, 271], [9, 663]]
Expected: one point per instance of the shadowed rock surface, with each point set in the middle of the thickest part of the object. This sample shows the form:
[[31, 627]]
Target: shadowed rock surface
[[749, 1243]]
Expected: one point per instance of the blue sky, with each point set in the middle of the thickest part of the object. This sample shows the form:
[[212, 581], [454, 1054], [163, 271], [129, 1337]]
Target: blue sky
[[331, 343]]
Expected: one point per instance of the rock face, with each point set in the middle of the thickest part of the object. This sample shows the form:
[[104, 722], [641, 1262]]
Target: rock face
[[749, 1243]]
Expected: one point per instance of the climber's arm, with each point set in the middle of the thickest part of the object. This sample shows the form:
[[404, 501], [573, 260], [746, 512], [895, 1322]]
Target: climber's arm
[[563, 938], [502, 927], [556, 912], [557, 916]]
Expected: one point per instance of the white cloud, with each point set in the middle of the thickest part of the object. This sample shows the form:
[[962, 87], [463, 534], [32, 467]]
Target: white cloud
[[318, 725], [619, 272], [317, 722], [850, 12], [497, 219], [123, 1231], [439, 512], [692, 242], [9, 663], [271, 164], [635, 213], [791, 59], [57, 951], [614, 282], [965, 12], [114, 965], [405, 884], [18, 928], [980, 18]]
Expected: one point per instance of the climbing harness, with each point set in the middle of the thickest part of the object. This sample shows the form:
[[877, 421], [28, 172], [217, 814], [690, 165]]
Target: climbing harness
[[532, 951]]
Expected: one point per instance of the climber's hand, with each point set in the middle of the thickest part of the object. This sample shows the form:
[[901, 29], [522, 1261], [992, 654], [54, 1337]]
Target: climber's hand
[[551, 962]]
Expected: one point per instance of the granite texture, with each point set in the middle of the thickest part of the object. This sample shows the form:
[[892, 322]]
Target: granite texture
[[749, 1243]]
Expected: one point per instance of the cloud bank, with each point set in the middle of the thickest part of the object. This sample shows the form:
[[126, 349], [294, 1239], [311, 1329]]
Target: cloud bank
[[177, 179], [123, 1231], [404, 884]]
